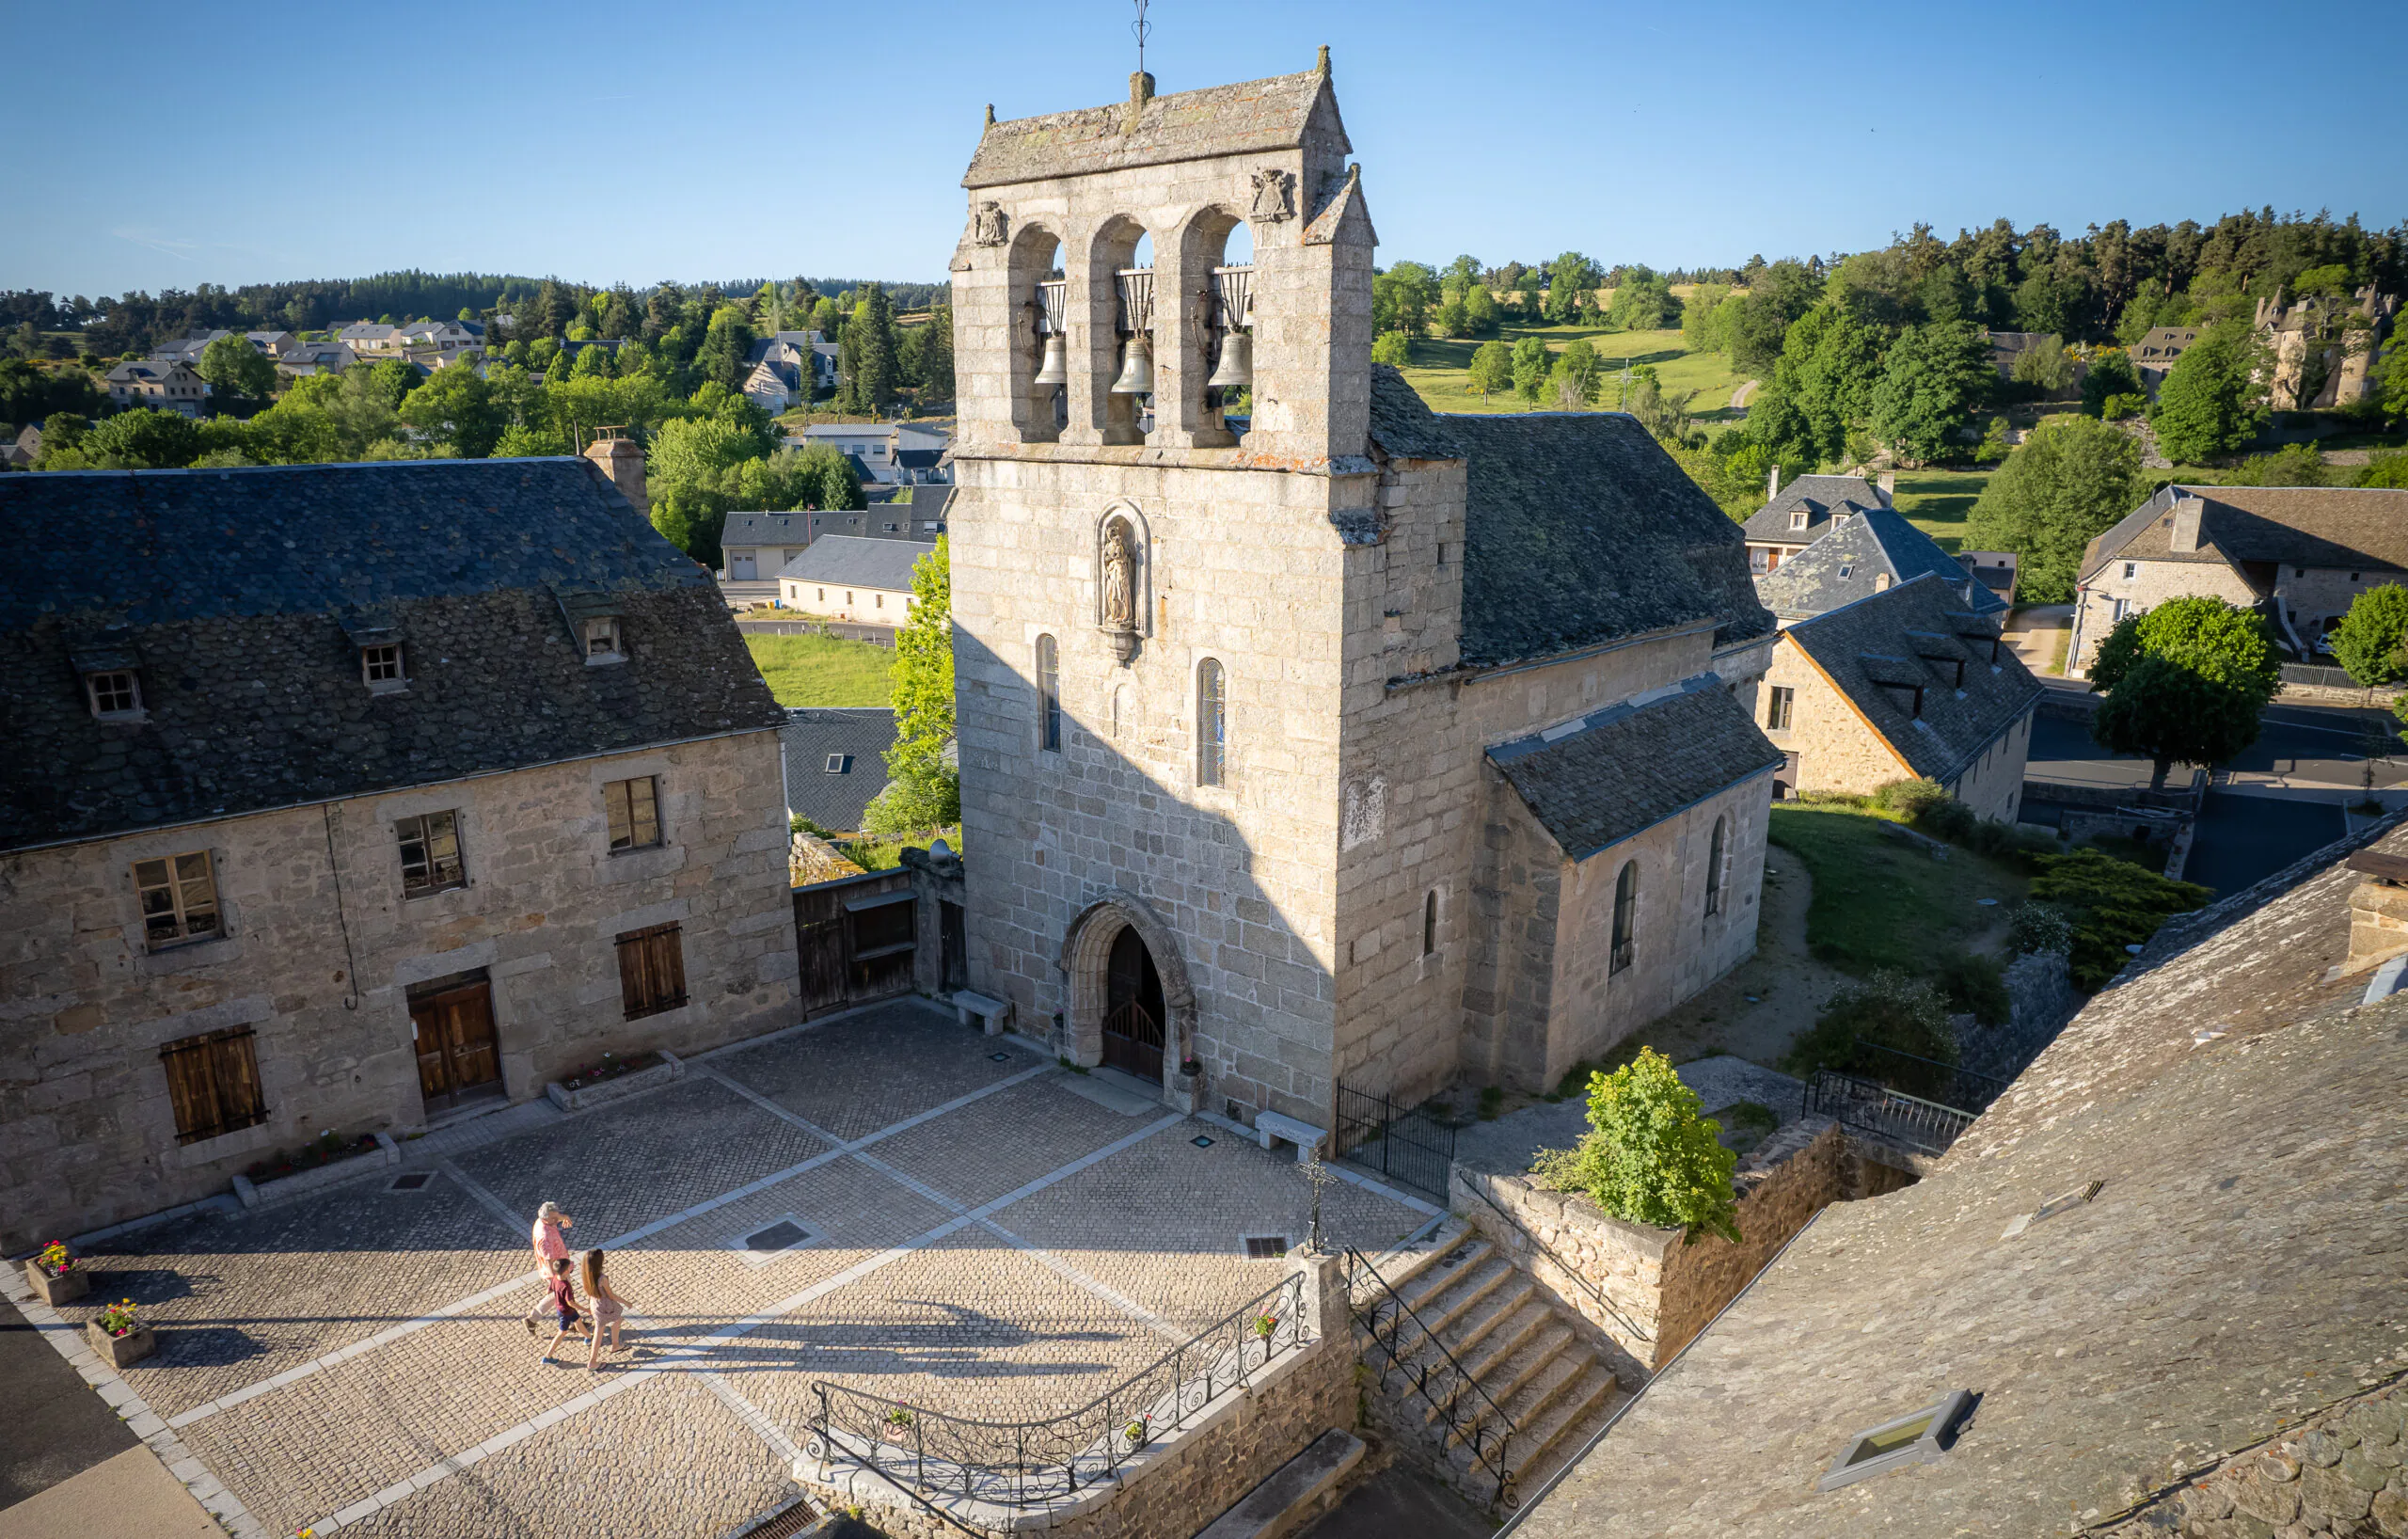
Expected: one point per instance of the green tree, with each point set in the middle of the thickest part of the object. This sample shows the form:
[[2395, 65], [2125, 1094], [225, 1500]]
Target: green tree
[[519, 441], [1530, 365], [2113, 904], [1821, 387], [591, 363], [2185, 682], [870, 337], [2109, 374], [1933, 377], [935, 359], [1572, 280], [1393, 347], [235, 369], [2044, 368], [2372, 642], [1644, 301], [726, 344], [1492, 370], [2211, 404], [1402, 298], [1698, 318], [144, 438], [455, 407], [923, 791], [1572, 381], [1650, 1156], [1480, 310], [2071, 480]]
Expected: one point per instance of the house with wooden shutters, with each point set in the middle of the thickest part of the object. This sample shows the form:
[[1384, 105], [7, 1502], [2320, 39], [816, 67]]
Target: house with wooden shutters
[[353, 797]]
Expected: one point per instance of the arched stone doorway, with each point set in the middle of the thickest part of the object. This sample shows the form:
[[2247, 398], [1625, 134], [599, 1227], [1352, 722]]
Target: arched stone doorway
[[1125, 973]]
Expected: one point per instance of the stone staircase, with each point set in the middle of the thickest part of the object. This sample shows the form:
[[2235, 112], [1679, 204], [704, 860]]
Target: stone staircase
[[1512, 1341]]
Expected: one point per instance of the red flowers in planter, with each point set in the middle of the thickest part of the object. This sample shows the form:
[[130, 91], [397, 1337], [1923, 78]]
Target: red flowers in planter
[[54, 1259]]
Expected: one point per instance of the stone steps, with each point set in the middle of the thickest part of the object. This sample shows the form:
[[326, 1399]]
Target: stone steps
[[1512, 1341]]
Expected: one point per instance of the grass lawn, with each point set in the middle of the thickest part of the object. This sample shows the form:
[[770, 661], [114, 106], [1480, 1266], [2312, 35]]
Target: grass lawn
[[1937, 502], [1440, 368], [1881, 903], [823, 670]]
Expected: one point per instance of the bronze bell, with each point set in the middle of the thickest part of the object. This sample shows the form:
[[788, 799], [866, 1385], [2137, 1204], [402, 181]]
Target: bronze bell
[[1136, 369], [1235, 371], [1051, 369]]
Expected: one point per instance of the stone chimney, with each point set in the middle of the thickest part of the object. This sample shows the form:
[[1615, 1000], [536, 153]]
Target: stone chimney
[[1889, 484], [1772, 484], [2378, 910], [622, 460], [2187, 512]]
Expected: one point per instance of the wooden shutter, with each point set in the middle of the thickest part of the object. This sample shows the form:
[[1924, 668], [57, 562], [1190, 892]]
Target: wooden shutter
[[214, 1083], [652, 970]]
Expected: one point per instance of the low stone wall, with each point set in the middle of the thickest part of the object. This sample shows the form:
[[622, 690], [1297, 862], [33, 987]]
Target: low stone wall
[[602, 1092], [1178, 1484], [2063, 793], [267, 1193], [1643, 1293]]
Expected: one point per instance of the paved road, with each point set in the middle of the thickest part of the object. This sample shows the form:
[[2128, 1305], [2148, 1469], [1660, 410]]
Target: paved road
[[2244, 839], [2296, 745]]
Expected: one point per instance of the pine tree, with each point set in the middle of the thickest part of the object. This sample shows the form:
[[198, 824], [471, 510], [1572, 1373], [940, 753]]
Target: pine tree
[[877, 351]]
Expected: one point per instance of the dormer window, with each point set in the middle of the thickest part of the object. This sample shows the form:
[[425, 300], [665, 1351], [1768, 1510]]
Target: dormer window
[[115, 695], [380, 667], [602, 640], [1798, 519]]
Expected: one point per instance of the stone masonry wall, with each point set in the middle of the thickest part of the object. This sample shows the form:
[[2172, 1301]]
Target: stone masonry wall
[[2151, 584], [87, 1136], [1837, 749], [1640, 1294], [1992, 785], [2342, 1471]]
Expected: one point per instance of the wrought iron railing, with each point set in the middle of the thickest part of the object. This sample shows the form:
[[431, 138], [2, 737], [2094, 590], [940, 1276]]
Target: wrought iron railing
[[931, 1455], [1891, 1115], [1429, 1370], [1946, 1083], [1410, 1144]]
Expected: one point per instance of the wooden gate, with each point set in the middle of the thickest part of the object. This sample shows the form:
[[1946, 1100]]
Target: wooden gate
[[954, 938], [855, 937], [1133, 1013], [456, 1051]]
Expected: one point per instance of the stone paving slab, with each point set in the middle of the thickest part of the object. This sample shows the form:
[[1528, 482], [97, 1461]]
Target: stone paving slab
[[873, 1069], [241, 1298], [638, 1160], [1162, 1222], [1008, 1139], [601, 1475]]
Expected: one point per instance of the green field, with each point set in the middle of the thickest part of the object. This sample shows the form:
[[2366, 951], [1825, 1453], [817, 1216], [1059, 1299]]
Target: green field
[[1937, 502], [1440, 368], [823, 670], [1881, 903]]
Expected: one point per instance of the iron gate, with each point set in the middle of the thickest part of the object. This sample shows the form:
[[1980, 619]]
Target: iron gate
[[1409, 1144]]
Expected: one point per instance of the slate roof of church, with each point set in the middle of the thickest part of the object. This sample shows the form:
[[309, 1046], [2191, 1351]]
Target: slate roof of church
[[860, 736], [1873, 544], [1252, 117], [239, 596], [1594, 782], [2355, 528], [1578, 528], [1920, 633], [2236, 1273]]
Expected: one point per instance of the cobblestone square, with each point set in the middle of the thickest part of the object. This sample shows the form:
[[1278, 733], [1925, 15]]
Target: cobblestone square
[[970, 1237]]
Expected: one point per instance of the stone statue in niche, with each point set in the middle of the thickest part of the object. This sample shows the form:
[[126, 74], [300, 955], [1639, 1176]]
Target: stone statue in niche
[[1119, 589], [990, 225], [1274, 195]]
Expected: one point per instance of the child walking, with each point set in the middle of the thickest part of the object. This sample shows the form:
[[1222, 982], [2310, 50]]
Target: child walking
[[608, 1305], [563, 1297]]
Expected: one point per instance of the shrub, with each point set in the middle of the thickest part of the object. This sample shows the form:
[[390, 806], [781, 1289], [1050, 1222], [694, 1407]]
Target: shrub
[[2113, 904], [1976, 984], [1889, 1009], [1649, 1157], [2036, 926], [1949, 820], [1908, 799]]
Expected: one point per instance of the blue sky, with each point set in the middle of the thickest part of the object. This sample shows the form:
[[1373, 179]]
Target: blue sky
[[609, 141]]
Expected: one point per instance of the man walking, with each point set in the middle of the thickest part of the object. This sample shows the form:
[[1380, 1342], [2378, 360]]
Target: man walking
[[549, 1248]]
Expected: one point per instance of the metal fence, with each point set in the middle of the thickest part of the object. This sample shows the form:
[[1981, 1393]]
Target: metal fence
[[2329, 678], [1464, 1410], [1033, 1464], [1948, 1084], [1890, 1115], [1409, 1144]]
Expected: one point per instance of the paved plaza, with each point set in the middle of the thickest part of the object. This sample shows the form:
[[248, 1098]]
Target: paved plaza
[[989, 1236]]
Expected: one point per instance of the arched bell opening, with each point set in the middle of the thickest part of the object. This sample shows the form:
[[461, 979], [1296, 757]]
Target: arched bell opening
[[1217, 349], [1041, 335], [1121, 352]]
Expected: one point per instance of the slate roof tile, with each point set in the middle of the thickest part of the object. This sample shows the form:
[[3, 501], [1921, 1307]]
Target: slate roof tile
[[1822, 497], [861, 561], [1247, 118], [1623, 769], [234, 589], [2353, 528], [1871, 545], [859, 739]]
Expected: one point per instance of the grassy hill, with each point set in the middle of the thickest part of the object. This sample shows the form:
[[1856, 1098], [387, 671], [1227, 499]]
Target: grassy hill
[[1440, 368], [823, 670]]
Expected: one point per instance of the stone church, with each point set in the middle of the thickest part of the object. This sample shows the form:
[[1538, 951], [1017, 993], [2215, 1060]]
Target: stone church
[[1308, 736]]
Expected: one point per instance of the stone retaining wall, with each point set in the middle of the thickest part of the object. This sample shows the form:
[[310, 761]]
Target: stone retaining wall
[[1642, 1293], [1181, 1482]]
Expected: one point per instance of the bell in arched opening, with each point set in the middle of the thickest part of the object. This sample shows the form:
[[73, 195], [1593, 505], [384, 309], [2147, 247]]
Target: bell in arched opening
[[1137, 368], [1235, 371], [1052, 369]]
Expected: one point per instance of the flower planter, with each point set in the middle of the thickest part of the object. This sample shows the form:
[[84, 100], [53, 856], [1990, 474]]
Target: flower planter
[[263, 1193], [602, 1092], [71, 1284], [132, 1347]]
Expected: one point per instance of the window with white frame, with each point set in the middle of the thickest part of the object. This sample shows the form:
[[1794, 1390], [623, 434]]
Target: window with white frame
[[113, 694]]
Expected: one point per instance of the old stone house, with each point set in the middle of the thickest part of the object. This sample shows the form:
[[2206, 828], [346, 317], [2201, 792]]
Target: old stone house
[[165, 386], [2154, 356], [2325, 347], [1344, 744], [1796, 516], [2153, 1290], [1908, 683], [2300, 554], [1860, 552], [363, 796]]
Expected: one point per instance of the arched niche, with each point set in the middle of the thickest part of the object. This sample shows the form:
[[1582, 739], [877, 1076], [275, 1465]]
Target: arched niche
[[1038, 411], [1125, 519]]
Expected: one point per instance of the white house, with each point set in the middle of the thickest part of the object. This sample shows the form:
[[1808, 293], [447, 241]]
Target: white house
[[849, 576]]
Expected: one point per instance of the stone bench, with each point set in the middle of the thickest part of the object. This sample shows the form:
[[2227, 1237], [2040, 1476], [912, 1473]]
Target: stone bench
[[995, 1015], [1271, 1127]]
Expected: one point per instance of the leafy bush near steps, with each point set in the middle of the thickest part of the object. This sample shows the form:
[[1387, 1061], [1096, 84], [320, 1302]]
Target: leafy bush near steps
[[1650, 1155], [1891, 1009]]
